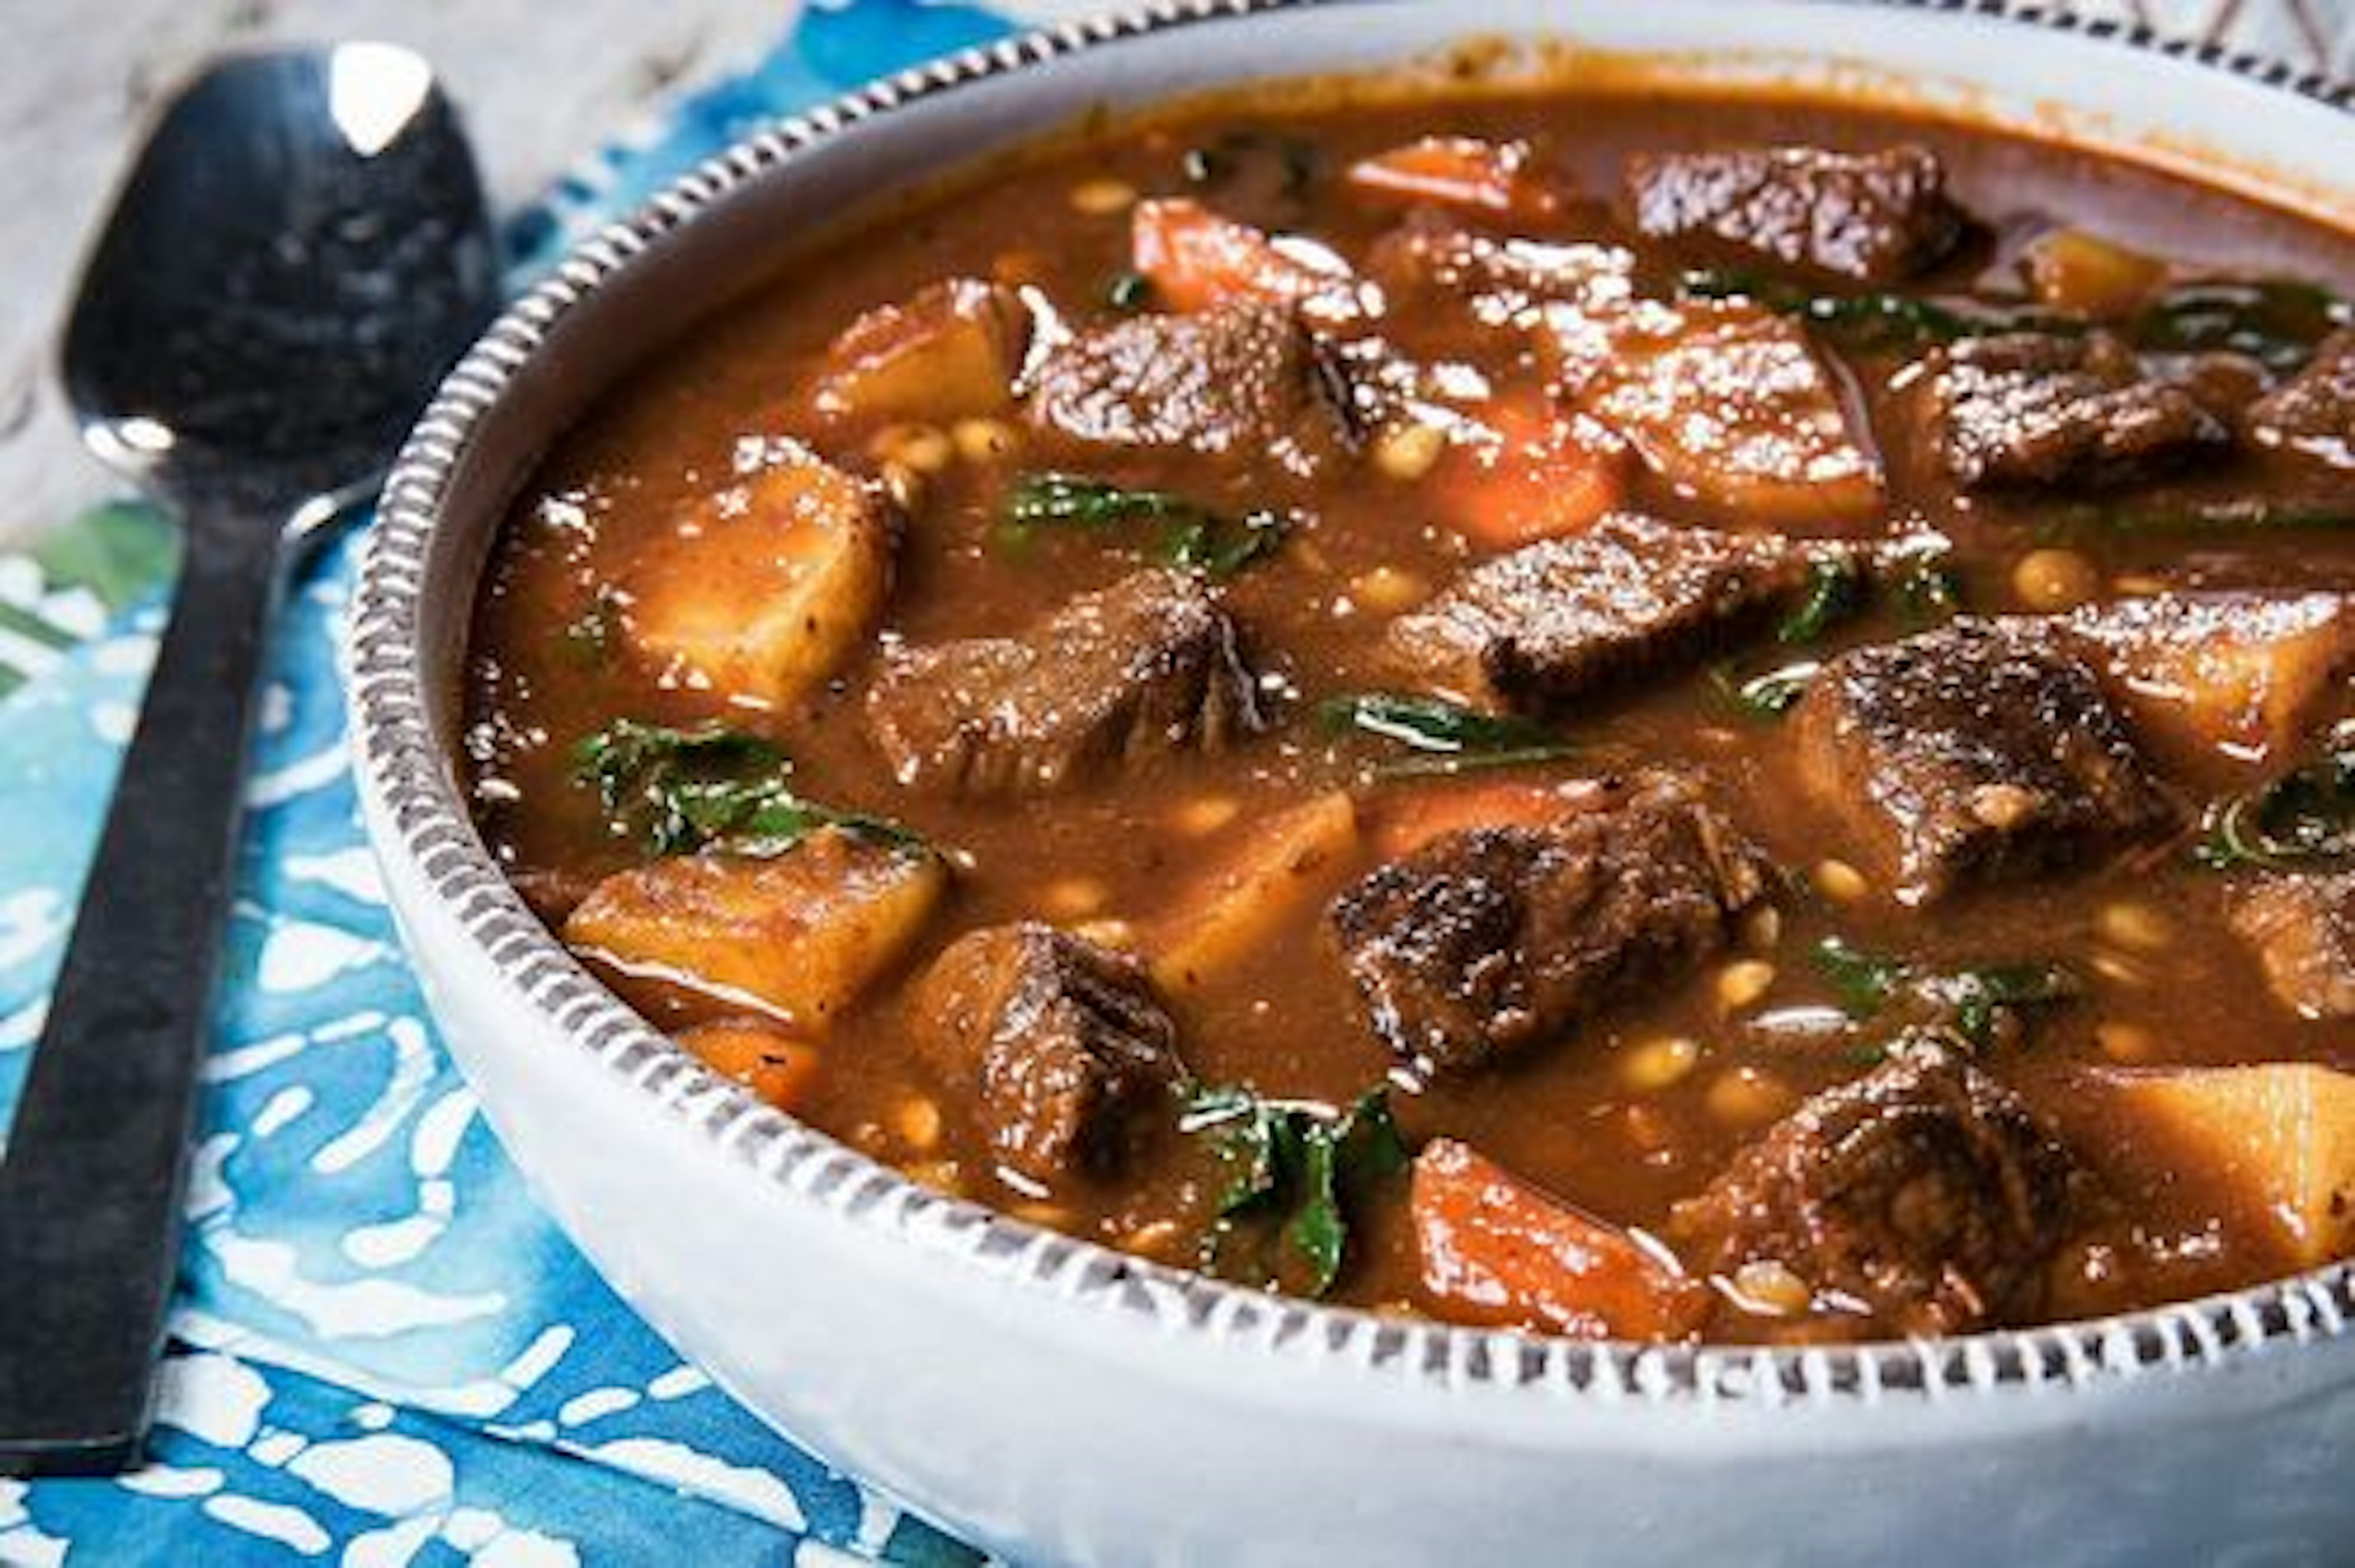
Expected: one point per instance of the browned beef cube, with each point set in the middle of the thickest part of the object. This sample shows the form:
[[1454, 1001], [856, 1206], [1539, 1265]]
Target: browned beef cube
[[1241, 381], [1057, 1044], [2312, 414], [1923, 1197], [1432, 264], [1488, 940], [1554, 621], [2303, 928], [1980, 751], [1874, 217], [1147, 666], [2028, 409]]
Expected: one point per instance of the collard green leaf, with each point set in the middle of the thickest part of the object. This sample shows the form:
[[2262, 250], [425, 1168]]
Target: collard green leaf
[[2278, 321], [1874, 320], [1769, 694], [1836, 591], [1296, 1172], [675, 791], [1973, 1001], [1220, 546], [1129, 291], [2304, 817], [1441, 737], [1929, 589], [1185, 532]]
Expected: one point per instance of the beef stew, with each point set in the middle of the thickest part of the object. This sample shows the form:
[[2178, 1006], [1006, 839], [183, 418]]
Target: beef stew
[[1724, 721]]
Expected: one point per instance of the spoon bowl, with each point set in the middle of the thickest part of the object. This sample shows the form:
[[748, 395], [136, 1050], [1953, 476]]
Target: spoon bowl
[[299, 254], [301, 251]]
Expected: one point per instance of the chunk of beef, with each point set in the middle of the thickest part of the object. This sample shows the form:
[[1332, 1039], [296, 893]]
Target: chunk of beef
[[1490, 940], [1059, 1045], [1237, 380], [1433, 262], [1555, 621], [2027, 408], [1145, 667], [1923, 1197], [1980, 751], [1732, 405], [2312, 414], [1873, 217], [1727, 402], [2302, 925]]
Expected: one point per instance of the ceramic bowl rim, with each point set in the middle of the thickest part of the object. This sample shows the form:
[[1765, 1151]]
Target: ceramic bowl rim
[[398, 761]]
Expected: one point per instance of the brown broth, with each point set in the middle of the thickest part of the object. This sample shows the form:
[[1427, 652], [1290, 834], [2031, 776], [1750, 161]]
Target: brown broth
[[1287, 1022]]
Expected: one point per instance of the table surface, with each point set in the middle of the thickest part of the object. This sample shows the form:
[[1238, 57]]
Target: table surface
[[78, 82]]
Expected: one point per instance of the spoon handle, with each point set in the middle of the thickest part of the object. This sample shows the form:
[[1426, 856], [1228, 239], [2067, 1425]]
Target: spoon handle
[[91, 1175]]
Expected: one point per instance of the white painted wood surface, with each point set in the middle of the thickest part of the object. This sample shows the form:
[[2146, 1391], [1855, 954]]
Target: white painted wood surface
[[539, 82]]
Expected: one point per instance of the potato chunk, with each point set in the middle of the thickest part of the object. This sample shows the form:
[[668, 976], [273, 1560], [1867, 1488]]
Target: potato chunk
[[1285, 864], [1731, 405], [2230, 673], [2072, 270], [800, 933], [2283, 1133], [950, 351], [763, 589]]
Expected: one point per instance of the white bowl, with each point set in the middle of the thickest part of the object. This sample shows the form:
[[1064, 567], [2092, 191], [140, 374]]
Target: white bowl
[[1060, 1402]]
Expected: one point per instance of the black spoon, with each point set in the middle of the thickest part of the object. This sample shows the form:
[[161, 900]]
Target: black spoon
[[299, 253]]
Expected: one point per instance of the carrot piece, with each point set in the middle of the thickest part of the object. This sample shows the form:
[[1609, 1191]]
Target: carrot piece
[[1499, 1252], [1544, 474], [771, 1063], [1409, 821], [1464, 172], [1197, 259]]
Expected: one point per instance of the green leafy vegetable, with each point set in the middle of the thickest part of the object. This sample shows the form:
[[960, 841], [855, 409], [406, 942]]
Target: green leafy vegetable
[[2278, 321], [1129, 291], [1873, 321], [1221, 547], [1863, 982], [1446, 737], [1053, 500], [1768, 695], [2305, 817], [1190, 534], [1976, 998], [1835, 593], [681, 790], [1296, 1171], [1974, 1001], [1929, 589]]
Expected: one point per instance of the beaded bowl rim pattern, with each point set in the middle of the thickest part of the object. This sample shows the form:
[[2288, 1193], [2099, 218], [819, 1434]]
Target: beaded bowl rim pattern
[[394, 747]]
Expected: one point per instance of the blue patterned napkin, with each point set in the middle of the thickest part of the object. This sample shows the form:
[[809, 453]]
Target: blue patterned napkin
[[383, 1353]]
